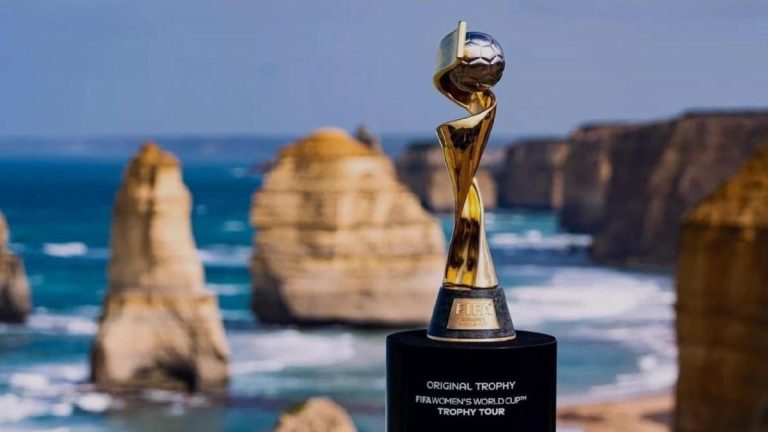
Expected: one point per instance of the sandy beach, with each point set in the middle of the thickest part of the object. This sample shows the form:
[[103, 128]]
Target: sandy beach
[[641, 414]]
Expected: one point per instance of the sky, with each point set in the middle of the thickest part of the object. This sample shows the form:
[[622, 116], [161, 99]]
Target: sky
[[101, 67]]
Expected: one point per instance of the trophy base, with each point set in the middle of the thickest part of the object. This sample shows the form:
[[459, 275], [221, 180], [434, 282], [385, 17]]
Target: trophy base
[[471, 315], [434, 385]]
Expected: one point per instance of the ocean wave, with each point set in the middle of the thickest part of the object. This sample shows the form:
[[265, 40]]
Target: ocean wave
[[243, 315], [577, 294], [272, 351], [15, 408], [44, 391], [234, 226], [94, 402], [65, 250], [630, 310], [221, 255], [229, 289], [536, 240], [47, 322]]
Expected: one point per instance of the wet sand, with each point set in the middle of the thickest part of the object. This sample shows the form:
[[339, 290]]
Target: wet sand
[[641, 414]]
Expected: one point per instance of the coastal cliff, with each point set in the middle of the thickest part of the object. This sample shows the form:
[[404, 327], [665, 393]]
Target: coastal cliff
[[422, 168], [586, 175], [722, 306], [659, 171], [15, 302], [532, 174], [339, 239], [159, 328]]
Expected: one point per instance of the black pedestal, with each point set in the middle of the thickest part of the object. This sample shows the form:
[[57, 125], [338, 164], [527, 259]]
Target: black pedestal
[[467, 387]]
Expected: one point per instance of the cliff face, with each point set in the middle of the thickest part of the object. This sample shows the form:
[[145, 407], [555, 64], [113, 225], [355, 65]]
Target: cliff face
[[339, 239], [660, 171], [722, 307], [586, 174], [422, 168], [15, 302], [532, 174], [159, 327]]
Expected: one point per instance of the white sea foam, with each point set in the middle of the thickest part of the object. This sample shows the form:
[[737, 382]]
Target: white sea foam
[[14, 408], [234, 226], [29, 381], [577, 294], [219, 255], [94, 402], [229, 289], [238, 315], [65, 250], [534, 239], [58, 323], [270, 351], [611, 306], [40, 391]]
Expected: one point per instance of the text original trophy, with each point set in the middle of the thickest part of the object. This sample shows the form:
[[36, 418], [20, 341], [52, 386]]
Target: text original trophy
[[470, 371]]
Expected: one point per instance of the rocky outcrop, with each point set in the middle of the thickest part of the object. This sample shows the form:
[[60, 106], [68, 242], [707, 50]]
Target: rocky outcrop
[[159, 328], [722, 307], [661, 170], [15, 302], [317, 414], [422, 168], [365, 136], [339, 239], [586, 175], [532, 174]]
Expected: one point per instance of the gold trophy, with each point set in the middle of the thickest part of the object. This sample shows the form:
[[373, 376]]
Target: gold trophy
[[471, 307], [429, 371]]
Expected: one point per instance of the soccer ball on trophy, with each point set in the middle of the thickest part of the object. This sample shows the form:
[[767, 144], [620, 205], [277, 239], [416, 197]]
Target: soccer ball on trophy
[[482, 65]]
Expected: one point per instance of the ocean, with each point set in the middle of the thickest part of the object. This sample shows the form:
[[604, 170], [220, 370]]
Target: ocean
[[614, 326]]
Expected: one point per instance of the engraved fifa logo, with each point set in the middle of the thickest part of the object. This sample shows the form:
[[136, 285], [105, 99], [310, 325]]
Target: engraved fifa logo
[[474, 309], [473, 314]]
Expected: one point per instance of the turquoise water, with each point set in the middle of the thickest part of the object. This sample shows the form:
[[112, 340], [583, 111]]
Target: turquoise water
[[614, 327]]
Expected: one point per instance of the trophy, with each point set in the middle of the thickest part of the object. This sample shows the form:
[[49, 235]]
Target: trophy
[[470, 370], [471, 307]]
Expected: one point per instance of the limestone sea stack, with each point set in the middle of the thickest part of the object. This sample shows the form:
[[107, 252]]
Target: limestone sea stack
[[159, 328], [532, 174], [422, 168], [317, 414], [340, 240], [15, 302], [722, 307]]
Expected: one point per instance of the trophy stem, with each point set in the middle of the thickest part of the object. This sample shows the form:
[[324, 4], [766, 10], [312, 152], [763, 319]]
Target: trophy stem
[[469, 262]]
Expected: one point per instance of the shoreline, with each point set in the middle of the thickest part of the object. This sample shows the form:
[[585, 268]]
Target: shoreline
[[650, 412]]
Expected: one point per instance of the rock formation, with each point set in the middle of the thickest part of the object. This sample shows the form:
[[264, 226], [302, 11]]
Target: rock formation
[[422, 168], [661, 170], [586, 175], [339, 239], [15, 302], [722, 306], [532, 174], [317, 414], [159, 328], [365, 136]]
